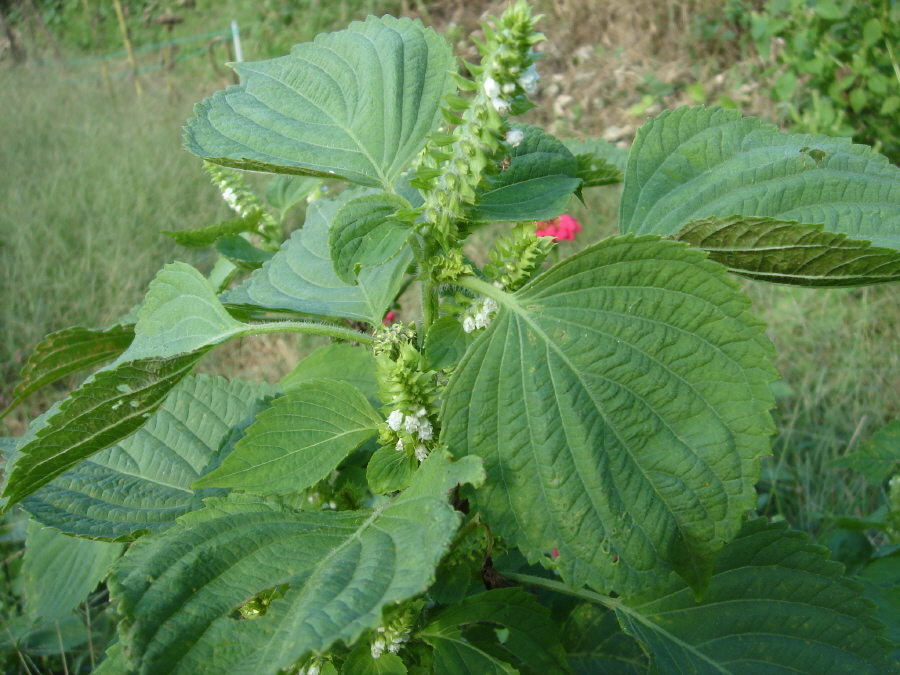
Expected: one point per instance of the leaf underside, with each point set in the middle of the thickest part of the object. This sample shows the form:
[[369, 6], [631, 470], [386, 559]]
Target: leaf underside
[[300, 278], [775, 605], [596, 644], [355, 104], [142, 484], [771, 250], [694, 163], [177, 590], [66, 352], [620, 402]]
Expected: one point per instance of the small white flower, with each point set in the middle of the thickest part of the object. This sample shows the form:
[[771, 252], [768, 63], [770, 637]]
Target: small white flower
[[491, 88], [411, 424], [313, 669], [497, 284], [425, 430], [514, 137], [500, 105], [421, 412], [482, 320], [378, 648], [395, 420], [509, 87], [468, 324], [421, 453], [399, 446], [529, 79], [490, 305], [231, 197], [332, 506], [394, 648]]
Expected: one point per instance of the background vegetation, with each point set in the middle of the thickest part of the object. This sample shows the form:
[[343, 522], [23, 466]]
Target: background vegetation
[[91, 176]]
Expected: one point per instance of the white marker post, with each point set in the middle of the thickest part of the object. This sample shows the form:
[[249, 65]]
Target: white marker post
[[236, 37]]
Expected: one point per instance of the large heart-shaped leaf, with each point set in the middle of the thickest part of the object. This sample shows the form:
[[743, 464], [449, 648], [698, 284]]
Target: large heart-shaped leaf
[[694, 163], [356, 104], [301, 278], [142, 484], [620, 402], [178, 590]]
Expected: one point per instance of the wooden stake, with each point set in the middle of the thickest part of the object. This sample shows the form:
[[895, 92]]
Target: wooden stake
[[123, 27]]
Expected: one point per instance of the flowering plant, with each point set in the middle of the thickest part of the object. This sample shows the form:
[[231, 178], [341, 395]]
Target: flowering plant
[[591, 429]]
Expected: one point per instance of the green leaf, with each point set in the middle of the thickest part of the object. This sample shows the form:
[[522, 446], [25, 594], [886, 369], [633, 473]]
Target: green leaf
[[42, 639], [338, 361], [620, 401], [596, 644], [342, 568], [108, 407], [537, 185], [877, 458], [694, 163], [356, 104], [66, 352], [600, 149], [180, 314], [201, 237], [531, 638], [60, 572], [301, 278], [299, 440], [114, 663], [775, 605], [454, 655], [360, 662], [389, 470], [179, 321], [142, 484], [363, 234], [772, 250], [241, 252], [285, 192], [881, 581], [446, 342]]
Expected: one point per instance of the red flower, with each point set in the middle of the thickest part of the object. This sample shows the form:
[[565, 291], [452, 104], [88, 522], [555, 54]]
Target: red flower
[[389, 318], [564, 227]]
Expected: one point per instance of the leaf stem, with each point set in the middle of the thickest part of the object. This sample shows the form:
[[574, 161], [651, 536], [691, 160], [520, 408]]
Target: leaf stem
[[483, 287], [311, 328], [429, 303], [559, 587]]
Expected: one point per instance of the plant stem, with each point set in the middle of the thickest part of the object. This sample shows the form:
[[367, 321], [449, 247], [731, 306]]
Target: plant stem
[[311, 328], [483, 287], [429, 303], [559, 587]]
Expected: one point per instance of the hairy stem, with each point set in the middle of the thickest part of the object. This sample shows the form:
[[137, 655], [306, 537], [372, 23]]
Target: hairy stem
[[311, 328]]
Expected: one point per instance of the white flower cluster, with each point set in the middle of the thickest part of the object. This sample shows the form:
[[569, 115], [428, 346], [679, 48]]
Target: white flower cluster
[[231, 198], [416, 424], [313, 668], [388, 639], [492, 92], [479, 314], [529, 79], [515, 137]]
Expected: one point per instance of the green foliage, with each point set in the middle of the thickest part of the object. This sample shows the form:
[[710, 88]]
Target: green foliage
[[360, 102], [878, 458], [603, 416], [142, 484], [66, 352], [50, 557], [342, 568], [695, 163], [790, 253], [838, 67], [300, 278]]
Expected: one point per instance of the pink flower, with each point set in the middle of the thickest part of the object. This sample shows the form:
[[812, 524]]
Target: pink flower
[[389, 318], [564, 227], [554, 553]]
